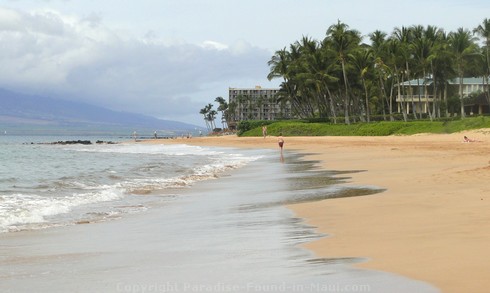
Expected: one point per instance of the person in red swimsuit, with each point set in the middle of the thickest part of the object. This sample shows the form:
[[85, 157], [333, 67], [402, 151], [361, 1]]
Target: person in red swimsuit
[[280, 141]]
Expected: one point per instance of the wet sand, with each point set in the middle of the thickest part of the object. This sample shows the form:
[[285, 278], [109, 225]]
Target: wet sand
[[432, 223], [231, 234]]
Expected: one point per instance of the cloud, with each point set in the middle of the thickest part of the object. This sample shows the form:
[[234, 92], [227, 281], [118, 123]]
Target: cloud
[[45, 52], [213, 45]]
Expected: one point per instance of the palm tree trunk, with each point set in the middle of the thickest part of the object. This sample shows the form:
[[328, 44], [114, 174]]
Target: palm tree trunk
[[346, 99], [404, 112], [366, 96], [461, 96]]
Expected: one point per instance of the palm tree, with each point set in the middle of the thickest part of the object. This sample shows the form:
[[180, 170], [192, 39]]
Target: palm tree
[[442, 70], [463, 47], [363, 61], [230, 113], [343, 40], [287, 64], [381, 55], [240, 104], [204, 111], [223, 107], [323, 78], [211, 116], [483, 30], [404, 36], [322, 74], [421, 46]]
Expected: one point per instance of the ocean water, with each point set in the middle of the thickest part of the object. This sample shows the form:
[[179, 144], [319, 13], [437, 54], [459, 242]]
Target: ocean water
[[132, 217], [44, 184]]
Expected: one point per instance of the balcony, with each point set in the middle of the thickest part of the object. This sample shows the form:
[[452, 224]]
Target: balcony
[[414, 98]]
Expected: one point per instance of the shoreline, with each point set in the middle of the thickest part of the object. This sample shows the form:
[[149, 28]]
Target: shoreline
[[431, 223], [217, 235]]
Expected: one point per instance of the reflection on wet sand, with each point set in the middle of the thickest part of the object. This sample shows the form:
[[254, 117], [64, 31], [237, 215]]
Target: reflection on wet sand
[[232, 234]]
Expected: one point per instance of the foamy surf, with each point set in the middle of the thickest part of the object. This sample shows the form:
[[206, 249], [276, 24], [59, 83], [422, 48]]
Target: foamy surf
[[75, 184]]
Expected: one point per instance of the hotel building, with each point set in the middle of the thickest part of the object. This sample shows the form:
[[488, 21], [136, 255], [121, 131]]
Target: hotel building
[[257, 104]]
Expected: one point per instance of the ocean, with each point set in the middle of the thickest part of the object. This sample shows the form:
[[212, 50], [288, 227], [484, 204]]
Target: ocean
[[44, 184], [133, 217]]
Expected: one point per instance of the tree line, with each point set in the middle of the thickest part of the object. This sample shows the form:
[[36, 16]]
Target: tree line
[[210, 115], [341, 76]]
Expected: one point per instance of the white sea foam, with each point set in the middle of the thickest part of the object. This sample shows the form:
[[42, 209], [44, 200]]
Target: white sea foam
[[71, 181], [203, 172], [24, 209], [224, 163], [171, 149]]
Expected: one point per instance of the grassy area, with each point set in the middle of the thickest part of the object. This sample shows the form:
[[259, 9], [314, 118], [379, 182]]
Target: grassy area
[[299, 128]]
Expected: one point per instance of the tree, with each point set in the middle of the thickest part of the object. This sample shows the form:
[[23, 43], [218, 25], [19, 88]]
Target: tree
[[323, 79], [363, 60], [483, 30], [404, 36], [223, 107], [205, 111], [422, 45], [463, 47], [381, 70], [442, 70], [211, 116], [343, 40]]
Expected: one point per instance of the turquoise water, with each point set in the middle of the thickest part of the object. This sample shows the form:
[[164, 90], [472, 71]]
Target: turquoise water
[[133, 217], [43, 185]]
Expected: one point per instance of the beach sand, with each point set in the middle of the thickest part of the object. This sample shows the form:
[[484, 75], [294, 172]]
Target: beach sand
[[231, 234], [431, 224]]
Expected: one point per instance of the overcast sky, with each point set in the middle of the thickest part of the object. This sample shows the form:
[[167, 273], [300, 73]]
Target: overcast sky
[[169, 58]]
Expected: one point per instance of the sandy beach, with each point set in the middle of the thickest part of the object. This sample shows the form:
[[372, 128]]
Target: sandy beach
[[431, 224]]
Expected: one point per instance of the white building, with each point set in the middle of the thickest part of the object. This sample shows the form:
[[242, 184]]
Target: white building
[[257, 104], [422, 102]]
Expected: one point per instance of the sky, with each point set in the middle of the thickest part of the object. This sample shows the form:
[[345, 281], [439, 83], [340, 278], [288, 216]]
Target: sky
[[169, 58]]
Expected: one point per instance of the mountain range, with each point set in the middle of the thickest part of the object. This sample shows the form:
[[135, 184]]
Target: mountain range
[[30, 114]]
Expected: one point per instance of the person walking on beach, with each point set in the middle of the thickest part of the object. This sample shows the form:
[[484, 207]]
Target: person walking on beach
[[280, 141], [264, 130]]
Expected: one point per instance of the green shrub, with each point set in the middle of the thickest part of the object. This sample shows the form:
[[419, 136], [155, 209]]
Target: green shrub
[[378, 128], [248, 125]]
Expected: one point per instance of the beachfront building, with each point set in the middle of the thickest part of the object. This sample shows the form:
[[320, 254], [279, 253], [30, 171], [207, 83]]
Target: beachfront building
[[257, 104], [419, 96]]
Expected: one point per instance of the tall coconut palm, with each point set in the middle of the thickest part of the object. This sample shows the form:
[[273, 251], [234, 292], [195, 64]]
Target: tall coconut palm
[[463, 47], [381, 54], [322, 70], [230, 113], [204, 111], [421, 46], [211, 116], [284, 64], [396, 61], [483, 30], [442, 71], [404, 35], [435, 38], [343, 40], [363, 61], [223, 107], [279, 65]]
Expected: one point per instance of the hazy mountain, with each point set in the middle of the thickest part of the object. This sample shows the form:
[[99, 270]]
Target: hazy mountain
[[35, 114]]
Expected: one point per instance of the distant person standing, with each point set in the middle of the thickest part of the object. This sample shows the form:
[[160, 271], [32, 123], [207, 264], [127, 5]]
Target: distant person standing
[[135, 135], [155, 134], [280, 141], [264, 131]]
